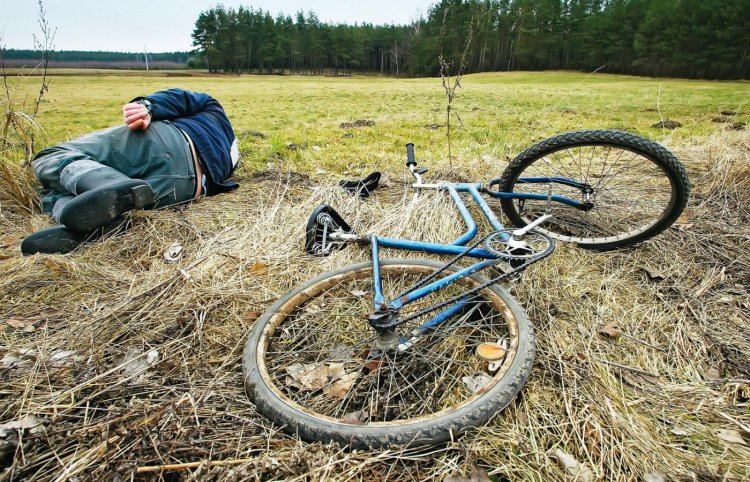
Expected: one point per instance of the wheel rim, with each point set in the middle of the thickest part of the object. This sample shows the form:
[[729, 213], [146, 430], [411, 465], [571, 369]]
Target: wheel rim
[[319, 364], [631, 193]]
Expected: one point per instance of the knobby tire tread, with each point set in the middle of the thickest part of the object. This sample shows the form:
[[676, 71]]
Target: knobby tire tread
[[649, 149], [438, 430]]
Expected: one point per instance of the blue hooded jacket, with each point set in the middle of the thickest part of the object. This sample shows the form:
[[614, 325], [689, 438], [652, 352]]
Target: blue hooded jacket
[[204, 120]]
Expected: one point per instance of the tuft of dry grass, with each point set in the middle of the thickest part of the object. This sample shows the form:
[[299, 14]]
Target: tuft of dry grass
[[118, 362], [19, 188]]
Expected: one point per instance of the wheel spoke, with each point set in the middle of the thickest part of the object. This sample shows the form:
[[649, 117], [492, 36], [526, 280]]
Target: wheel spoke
[[324, 357], [631, 192]]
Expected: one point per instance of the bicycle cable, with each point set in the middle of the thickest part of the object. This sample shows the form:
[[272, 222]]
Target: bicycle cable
[[450, 263], [473, 291]]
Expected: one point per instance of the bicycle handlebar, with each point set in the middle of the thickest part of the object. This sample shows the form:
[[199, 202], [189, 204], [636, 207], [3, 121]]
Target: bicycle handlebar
[[410, 159]]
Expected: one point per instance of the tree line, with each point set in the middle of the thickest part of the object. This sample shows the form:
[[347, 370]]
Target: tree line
[[95, 59], [677, 38]]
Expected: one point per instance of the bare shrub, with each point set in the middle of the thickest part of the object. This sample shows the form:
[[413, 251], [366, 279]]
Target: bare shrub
[[19, 126]]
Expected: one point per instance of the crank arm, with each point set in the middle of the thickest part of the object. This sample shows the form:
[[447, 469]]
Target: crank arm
[[519, 234]]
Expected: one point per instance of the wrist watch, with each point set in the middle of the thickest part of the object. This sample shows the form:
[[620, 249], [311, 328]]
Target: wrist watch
[[146, 103]]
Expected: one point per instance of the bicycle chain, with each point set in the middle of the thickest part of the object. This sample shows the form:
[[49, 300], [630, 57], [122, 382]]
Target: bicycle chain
[[437, 306], [450, 263]]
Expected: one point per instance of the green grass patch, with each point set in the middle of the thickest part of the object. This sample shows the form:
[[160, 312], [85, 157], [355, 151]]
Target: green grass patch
[[501, 113]]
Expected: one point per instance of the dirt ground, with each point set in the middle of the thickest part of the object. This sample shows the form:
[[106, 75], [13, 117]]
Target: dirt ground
[[116, 362]]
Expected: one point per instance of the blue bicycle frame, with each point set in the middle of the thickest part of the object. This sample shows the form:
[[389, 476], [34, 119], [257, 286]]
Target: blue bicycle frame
[[457, 247]]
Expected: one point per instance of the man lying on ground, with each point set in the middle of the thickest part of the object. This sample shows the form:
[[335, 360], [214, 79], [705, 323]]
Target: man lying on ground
[[175, 146]]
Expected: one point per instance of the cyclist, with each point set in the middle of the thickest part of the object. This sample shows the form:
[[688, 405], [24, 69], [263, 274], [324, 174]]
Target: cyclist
[[174, 146]]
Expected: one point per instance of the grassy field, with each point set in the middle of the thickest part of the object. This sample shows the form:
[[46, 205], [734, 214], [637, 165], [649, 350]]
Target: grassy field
[[668, 400], [501, 113]]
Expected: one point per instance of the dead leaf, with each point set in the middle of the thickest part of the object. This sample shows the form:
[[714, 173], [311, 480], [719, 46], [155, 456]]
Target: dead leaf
[[611, 330], [491, 351], [477, 475], [357, 417], [375, 364], [732, 436], [55, 265], [683, 223], [679, 431], [252, 315], [713, 374], [646, 377], [258, 268], [319, 375], [29, 422], [656, 477], [60, 358], [573, 468], [477, 382], [593, 439], [341, 386], [654, 274], [22, 359], [358, 293], [136, 362], [46, 318], [25, 324]]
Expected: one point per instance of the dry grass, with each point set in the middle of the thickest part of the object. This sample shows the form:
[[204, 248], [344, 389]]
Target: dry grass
[[131, 362]]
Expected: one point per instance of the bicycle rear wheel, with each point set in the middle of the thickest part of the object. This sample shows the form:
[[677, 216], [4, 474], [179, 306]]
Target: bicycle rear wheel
[[637, 187], [313, 364]]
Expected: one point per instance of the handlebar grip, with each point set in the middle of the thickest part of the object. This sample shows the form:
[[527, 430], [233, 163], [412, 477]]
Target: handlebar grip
[[410, 159]]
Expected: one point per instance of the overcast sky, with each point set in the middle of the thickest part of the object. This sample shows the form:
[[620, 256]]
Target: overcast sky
[[166, 25]]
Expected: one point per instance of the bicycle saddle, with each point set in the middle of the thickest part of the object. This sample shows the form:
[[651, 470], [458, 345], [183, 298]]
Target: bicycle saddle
[[323, 221]]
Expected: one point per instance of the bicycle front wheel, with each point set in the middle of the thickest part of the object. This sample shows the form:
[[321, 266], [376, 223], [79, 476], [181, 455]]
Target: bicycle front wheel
[[313, 364], [635, 188]]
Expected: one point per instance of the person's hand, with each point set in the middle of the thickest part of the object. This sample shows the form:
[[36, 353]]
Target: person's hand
[[137, 116]]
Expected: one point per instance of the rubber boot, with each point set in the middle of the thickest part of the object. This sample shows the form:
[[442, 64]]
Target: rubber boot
[[102, 195], [60, 239]]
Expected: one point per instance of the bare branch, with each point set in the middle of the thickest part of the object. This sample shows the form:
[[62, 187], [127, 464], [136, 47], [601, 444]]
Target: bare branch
[[445, 75]]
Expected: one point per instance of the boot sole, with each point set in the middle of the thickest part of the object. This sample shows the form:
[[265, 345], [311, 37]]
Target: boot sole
[[98, 207], [55, 240], [61, 240]]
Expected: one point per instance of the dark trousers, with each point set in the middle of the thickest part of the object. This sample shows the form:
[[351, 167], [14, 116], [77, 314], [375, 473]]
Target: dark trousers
[[160, 155]]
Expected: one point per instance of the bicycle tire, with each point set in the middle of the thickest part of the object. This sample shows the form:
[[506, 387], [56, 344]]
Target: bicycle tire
[[651, 170], [267, 374]]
